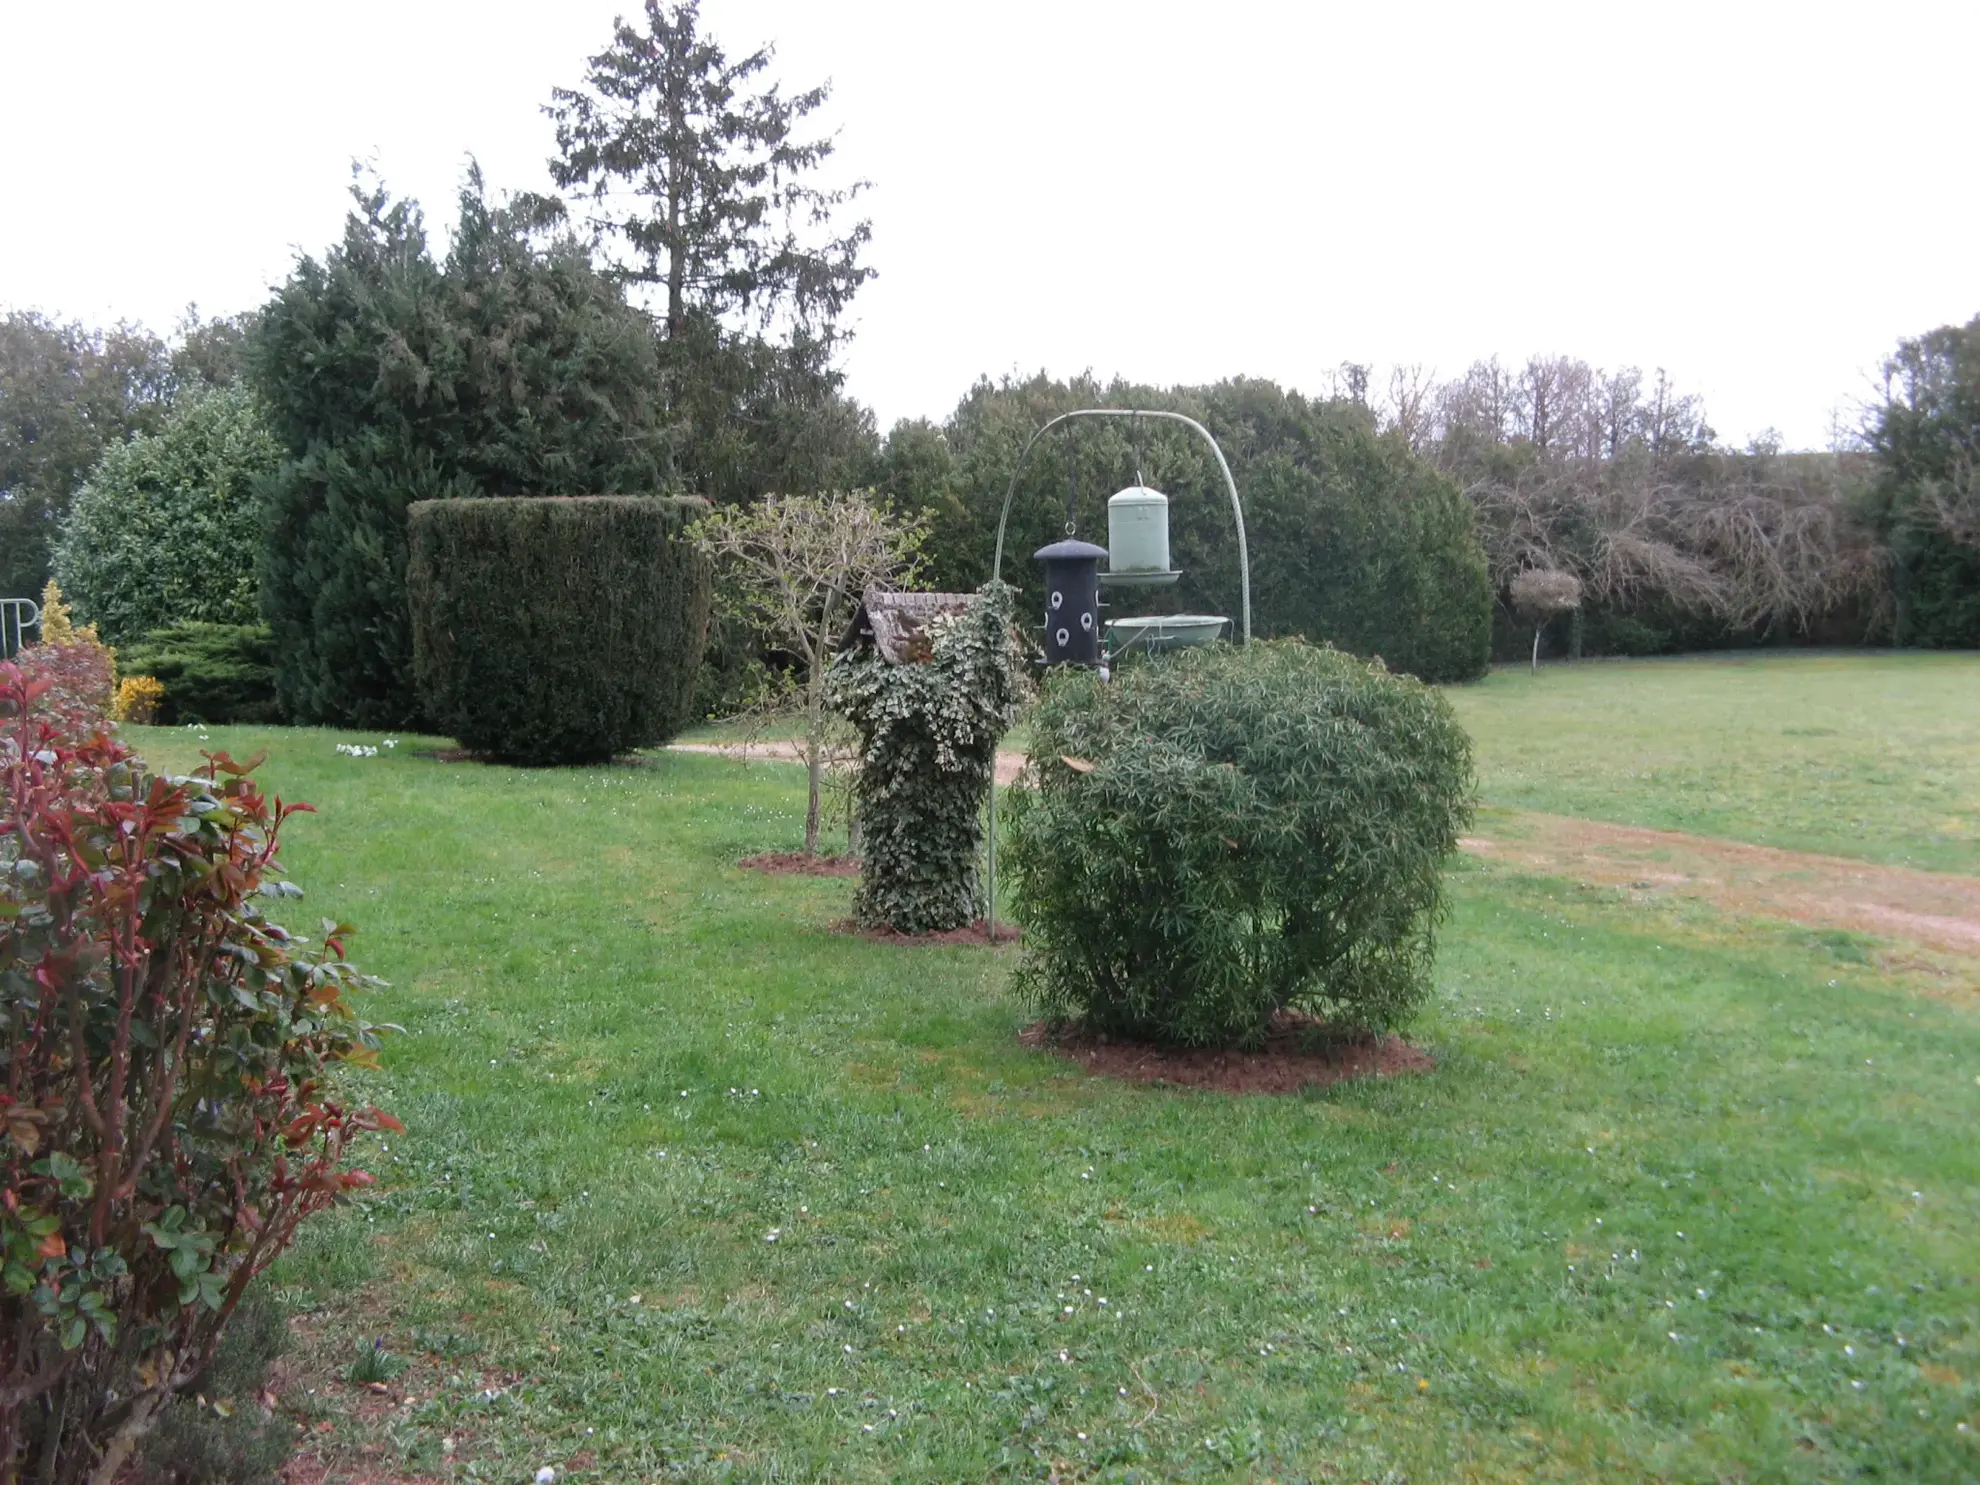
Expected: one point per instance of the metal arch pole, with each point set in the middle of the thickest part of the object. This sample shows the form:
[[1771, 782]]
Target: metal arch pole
[[1237, 508], [997, 572]]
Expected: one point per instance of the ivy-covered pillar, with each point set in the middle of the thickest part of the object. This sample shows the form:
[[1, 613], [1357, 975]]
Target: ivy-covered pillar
[[928, 726]]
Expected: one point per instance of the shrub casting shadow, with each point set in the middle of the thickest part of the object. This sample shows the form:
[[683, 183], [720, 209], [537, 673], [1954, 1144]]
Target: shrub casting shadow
[[1299, 1053]]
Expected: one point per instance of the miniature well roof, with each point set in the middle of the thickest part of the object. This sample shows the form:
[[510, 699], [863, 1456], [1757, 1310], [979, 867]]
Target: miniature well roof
[[892, 622]]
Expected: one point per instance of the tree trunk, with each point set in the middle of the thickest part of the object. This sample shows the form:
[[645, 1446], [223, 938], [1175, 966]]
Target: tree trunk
[[814, 761], [676, 248], [1536, 649], [117, 1452]]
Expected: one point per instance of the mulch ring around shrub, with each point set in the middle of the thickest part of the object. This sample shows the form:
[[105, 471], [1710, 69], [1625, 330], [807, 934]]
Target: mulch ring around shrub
[[1298, 1053], [798, 864], [975, 933]]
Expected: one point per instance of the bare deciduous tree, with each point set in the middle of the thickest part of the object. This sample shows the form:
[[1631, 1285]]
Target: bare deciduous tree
[[796, 566], [1407, 410]]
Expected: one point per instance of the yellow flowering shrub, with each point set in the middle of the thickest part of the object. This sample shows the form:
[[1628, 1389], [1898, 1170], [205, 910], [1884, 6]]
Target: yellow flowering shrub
[[137, 699]]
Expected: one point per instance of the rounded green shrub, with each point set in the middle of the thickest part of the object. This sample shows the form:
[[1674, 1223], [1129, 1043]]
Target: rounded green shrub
[[1226, 833], [168, 527], [556, 630]]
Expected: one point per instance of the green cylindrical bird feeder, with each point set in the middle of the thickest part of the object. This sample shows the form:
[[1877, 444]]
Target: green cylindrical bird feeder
[[1138, 538]]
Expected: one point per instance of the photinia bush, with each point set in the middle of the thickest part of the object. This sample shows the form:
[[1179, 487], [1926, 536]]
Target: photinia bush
[[79, 677], [165, 1125]]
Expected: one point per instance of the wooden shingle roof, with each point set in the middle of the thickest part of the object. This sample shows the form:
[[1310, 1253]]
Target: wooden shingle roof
[[895, 623]]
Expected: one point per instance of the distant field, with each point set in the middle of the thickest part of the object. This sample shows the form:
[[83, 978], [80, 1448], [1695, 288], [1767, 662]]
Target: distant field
[[1869, 755]]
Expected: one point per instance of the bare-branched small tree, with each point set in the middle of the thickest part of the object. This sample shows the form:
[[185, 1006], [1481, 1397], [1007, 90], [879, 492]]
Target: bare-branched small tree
[[794, 568]]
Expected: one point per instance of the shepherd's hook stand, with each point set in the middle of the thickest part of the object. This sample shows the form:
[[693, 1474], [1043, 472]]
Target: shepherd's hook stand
[[997, 569]]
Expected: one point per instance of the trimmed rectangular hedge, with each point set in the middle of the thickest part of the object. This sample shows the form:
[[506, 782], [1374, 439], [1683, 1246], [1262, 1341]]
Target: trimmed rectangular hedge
[[556, 630]]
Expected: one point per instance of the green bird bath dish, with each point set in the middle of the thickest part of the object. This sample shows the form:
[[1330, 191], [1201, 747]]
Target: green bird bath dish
[[1164, 631]]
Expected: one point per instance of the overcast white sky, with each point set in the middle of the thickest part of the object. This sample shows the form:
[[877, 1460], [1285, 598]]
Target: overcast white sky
[[1760, 197]]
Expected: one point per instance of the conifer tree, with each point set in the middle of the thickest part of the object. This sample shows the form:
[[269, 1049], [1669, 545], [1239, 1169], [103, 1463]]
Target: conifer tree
[[510, 368]]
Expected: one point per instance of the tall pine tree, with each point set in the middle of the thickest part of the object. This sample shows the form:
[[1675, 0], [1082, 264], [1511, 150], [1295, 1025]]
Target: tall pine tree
[[695, 175]]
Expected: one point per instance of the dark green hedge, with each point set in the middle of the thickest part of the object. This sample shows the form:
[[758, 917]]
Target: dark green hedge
[[556, 630], [212, 673]]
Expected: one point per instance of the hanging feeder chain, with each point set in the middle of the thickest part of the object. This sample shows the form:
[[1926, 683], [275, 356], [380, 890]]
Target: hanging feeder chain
[[1072, 483]]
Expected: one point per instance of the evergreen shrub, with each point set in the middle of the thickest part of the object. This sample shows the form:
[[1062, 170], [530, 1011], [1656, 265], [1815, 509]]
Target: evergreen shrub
[[223, 1435], [389, 377], [137, 700], [557, 630], [928, 741], [169, 527], [213, 673], [1225, 833], [1924, 503]]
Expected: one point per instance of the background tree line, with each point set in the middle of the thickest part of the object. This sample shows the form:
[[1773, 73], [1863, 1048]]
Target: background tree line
[[1678, 541], [672, 323]]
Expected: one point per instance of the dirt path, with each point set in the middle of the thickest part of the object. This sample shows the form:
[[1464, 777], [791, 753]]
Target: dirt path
[[1937, 909], [777, 750]]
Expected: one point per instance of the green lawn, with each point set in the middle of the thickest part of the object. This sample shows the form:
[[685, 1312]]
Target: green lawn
[[694, 1188], [1864, 754]]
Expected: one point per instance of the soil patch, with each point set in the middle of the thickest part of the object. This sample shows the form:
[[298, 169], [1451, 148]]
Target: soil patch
[[1299, 1052], [1939, 910], [798, 864], [307, 1469], [778, 750], [976, 933]]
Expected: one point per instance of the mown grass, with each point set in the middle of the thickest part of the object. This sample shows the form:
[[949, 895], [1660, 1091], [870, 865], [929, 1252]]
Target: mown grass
[[1865, 754], [695, 1188]]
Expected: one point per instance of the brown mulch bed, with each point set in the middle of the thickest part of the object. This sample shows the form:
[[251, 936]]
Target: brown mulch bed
[[1298, 1053], [976, 933], [798, 864]]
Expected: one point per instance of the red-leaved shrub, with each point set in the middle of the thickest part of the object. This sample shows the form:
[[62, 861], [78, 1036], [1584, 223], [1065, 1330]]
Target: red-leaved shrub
[[81, 679], [164, 1123]]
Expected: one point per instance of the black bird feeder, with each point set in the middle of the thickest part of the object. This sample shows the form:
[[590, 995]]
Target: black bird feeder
[[1072, 584], [1072, 601]]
